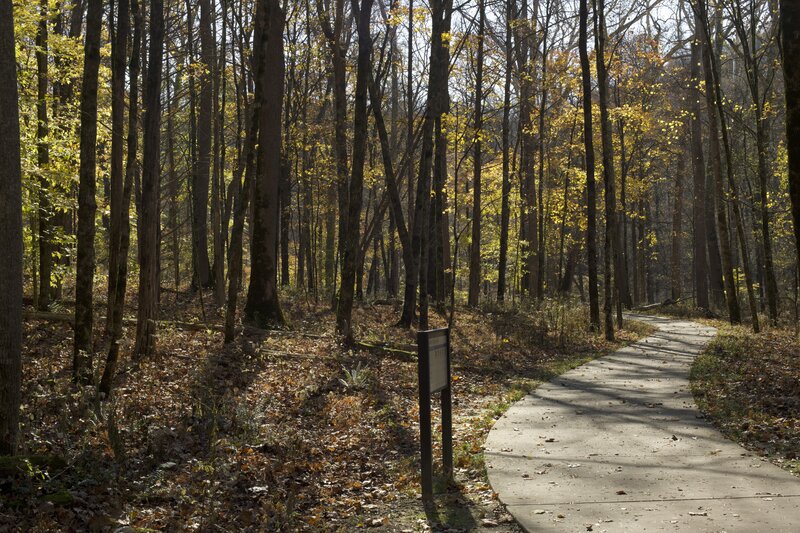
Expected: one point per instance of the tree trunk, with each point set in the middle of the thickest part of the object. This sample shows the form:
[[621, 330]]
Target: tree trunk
[[344, 325], [263, 307], [737, 215], [10, 238], [790, 40], [333, 34], [241, 201], [120, 287], [43, 161], [87, 204], [591, 191], [726, 256], [475, 248], [529, 221], [149, 229], [118, 63], [506, 146], [609, 189], [201, 174], [700, 261], [677, 233], [219, 231]]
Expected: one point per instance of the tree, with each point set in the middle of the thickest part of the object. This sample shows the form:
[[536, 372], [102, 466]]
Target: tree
[[475, 250], [715, 158], [118, 210], [750, 51], [10, 238], [121, 272], [353, 227], [591, 191], [43, 160], [505, 210], [201, 176], [611, 247], [790, 39], [263, 307], [87, 204], [149, 227], [699, 236]]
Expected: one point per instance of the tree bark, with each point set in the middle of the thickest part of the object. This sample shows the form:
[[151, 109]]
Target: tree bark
[[699, 238], [43, 161], [201, 176], [611, 246], [677, 232], [263, 307], [591, 191], [10, 238], [725, 254], [119, 52], [790, 39], [149, 229], [344, 325], [87, 204], [475, 248], [116, 317], [505, 211], [712, 75]]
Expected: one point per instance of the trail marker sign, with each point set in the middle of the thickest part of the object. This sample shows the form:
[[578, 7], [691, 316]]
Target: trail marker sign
[[433, 370]]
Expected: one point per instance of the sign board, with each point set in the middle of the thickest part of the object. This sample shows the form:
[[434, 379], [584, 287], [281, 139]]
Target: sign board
[[433, 370], [439, 377]]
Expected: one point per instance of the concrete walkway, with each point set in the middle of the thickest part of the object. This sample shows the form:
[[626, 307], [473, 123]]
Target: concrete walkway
[[619, 445]]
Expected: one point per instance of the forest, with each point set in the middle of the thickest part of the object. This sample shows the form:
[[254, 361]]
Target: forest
[[226, 220]]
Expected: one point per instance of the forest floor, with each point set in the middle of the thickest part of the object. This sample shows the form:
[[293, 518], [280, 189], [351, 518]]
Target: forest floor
[[749, 386], [270, 433]]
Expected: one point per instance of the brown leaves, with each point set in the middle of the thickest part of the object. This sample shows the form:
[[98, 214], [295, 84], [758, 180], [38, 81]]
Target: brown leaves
[[750, 385]]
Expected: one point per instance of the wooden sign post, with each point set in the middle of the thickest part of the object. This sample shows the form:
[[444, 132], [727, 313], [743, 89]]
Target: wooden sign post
[[434, 376]]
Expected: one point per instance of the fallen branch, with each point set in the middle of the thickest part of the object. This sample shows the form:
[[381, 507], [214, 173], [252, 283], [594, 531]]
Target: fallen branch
[[404, 354], [188, 326]]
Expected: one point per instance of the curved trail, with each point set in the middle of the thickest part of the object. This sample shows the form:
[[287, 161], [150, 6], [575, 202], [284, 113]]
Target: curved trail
[[619, 445]]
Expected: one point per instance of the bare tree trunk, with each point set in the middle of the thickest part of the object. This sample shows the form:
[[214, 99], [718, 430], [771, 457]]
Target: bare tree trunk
[[43, 161], [713, 84], [241, 201], [790, 40], [726, 256], [505, 211], [10, 238], [417, 273], [174, 186], [263, 307], [219, 222], [475, 248], [611, 240], [344, 324], [700, 261], [149, 230], [87, 204], [748, 50], [677, 232], [119, 52], [333, 34], [121, 284], [201, 175], [529, 231], [591, 191]]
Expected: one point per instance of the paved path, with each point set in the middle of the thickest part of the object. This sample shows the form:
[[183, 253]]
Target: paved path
[[619, 445]]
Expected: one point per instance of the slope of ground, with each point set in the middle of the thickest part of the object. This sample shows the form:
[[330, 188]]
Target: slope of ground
[[749, 385], [277, 431]]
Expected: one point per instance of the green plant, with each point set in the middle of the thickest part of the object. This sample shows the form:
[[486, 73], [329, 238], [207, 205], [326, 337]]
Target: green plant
[[356, 378]]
